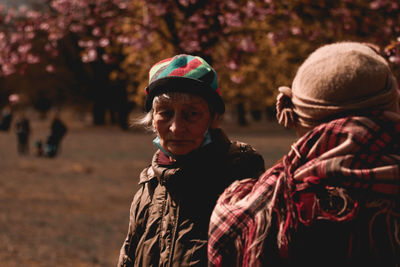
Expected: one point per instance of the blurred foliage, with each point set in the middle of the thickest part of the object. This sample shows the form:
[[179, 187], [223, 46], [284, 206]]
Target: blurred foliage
[[255, 46], [92, 49]]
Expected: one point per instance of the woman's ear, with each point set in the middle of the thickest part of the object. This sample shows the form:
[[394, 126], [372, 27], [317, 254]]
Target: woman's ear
[[215, 121]]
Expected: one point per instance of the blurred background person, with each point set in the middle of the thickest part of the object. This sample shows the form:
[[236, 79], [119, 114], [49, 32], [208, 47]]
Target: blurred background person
[[58, 130], [23, 131], [6, 118], [7, 112]]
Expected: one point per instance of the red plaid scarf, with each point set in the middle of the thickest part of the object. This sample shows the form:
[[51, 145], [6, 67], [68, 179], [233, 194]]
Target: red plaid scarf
[[360, 152]]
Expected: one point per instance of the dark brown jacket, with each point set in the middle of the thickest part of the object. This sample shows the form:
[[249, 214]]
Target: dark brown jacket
[[170, 213]]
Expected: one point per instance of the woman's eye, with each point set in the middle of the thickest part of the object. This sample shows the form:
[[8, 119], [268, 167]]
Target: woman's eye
[[192, 115], [165, 114]]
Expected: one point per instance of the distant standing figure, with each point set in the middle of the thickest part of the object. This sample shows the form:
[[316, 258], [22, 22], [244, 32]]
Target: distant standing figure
[[6, 118], [22, 128], [57, 133]]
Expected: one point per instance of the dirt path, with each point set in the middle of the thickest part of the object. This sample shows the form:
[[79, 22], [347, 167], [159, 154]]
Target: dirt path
[[73, 210]]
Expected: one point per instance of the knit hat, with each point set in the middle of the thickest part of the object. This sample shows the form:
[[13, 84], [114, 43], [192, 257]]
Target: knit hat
[[186, 74], [339, 78]]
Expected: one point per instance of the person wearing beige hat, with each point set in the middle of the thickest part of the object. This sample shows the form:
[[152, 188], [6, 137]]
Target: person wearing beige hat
[[334, 81], [333, 199]]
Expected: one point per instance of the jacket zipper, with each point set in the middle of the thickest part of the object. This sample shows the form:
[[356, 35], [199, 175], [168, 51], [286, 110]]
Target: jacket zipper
[[174, 235]]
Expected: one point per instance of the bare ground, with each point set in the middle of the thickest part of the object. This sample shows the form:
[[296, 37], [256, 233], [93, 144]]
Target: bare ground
[[73, 210]]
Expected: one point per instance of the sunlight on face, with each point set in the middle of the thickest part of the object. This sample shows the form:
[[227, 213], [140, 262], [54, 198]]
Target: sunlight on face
[[181, 123]]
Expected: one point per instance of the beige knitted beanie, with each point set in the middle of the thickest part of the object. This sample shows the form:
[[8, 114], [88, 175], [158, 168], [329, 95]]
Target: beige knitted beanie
[[339, 78]]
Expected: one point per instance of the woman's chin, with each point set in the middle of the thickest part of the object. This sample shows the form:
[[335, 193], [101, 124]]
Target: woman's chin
[[180, 150]]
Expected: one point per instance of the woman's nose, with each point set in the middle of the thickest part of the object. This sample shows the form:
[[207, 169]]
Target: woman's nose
[[178, 124]]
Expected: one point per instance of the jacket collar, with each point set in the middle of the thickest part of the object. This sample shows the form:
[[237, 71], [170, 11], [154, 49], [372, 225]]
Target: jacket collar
[[164, 169]]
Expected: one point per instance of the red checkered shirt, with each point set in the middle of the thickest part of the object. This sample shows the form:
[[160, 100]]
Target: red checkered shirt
[[358, 152]]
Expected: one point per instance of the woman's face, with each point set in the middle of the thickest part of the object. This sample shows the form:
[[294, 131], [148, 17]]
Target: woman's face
[[181, 123]]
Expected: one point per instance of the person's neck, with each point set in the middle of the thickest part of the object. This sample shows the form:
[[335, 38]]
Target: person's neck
[[301, 130]]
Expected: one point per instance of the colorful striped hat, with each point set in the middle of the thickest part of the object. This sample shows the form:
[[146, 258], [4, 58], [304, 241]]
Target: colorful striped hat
[[188, 74]]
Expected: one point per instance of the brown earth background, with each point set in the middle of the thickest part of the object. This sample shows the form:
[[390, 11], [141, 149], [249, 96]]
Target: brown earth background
[[73, 210]]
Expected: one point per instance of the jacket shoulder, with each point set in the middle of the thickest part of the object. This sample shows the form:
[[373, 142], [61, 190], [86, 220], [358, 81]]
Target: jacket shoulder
[[237, 146], [147, 183], [247, 162], [146, 175]]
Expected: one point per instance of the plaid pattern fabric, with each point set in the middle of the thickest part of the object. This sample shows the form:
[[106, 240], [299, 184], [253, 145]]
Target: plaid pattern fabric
[[360, 152]]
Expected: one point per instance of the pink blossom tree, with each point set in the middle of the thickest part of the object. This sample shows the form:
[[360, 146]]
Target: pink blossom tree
[[80, 33], [255, 45]]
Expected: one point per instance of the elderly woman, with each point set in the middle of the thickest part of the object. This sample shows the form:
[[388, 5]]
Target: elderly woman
[[333, 200], [194, 163]]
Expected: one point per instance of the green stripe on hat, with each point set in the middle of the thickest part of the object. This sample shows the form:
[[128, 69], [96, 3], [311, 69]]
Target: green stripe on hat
[[197, 72], [186, 74], [159, 67], [214, 83], [177, 62]]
